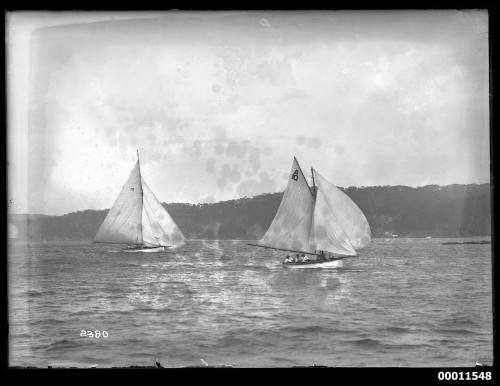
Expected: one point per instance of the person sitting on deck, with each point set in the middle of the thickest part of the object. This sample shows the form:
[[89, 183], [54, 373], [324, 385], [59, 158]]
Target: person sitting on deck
[[305, 259], [288, 259], [297, 259], [321, 256]]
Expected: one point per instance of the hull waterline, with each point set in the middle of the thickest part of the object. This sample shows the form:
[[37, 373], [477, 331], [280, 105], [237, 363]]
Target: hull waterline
[[146, 250], [323, 264]]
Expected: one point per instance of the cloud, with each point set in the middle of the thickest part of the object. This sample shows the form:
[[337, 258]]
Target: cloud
[[220, 112], [252, 187]]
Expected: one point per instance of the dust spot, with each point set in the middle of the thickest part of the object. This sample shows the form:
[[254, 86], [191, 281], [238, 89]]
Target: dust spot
[[221, 182], [315, 143], [339, 149], [264, 23], [234, 149], [230, 173], [301, 140], [254, 159], [220, 133], [219, 149], [197, 147], [210, 165]]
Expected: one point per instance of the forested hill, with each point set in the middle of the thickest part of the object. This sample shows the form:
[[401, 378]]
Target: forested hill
[[447, 211]]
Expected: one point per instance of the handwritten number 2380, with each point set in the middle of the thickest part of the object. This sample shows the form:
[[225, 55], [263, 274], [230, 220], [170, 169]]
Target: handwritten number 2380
[[94, 334]]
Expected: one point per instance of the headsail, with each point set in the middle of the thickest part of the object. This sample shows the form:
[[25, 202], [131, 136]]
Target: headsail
[[123, 223], [327, 233], [345, 212], [159, 229], [290, 228]]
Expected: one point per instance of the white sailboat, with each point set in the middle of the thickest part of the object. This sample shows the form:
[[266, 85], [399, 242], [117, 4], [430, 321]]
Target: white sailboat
[[138, 219], [320, 222]]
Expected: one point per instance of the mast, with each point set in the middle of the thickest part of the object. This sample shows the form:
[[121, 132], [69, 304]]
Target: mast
[[314, 184], [142, 195], [311, 229]]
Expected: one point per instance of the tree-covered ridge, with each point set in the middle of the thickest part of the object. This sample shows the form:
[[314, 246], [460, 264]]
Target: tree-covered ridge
[[432, 210]]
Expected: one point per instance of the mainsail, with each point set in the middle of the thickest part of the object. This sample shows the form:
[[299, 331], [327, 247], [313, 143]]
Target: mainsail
[[137, 217], [321, 218], [123, 223], [291, 226]]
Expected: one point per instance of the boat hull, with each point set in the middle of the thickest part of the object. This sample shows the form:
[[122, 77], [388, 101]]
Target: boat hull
[[146, 250], [323, 264]]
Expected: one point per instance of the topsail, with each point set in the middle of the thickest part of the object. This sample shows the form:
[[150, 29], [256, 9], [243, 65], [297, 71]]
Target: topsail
[[137, 217], [321, 218]]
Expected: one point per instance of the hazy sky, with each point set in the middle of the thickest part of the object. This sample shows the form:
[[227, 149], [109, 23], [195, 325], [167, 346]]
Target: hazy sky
[[219, 103]]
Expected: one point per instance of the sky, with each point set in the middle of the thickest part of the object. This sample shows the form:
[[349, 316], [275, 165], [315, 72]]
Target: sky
[[218, 103]]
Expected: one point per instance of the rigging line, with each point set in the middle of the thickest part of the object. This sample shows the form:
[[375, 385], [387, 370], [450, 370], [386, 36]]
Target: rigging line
[[283, 249]]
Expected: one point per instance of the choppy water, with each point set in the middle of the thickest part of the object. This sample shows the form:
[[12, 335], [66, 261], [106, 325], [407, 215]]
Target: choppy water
[[403, 302]]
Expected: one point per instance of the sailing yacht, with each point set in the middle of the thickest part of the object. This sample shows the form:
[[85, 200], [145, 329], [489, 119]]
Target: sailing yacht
[[318, 221], [139, 220]]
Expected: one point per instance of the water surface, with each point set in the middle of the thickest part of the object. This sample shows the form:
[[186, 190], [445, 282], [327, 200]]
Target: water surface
[[402, 302]]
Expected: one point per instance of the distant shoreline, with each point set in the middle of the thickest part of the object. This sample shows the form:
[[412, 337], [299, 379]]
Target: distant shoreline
[[484, 240], [392, 211]]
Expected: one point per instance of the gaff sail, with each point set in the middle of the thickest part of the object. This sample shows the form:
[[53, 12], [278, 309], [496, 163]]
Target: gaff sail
[[291, 225], [137, 217], [321, 218]]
